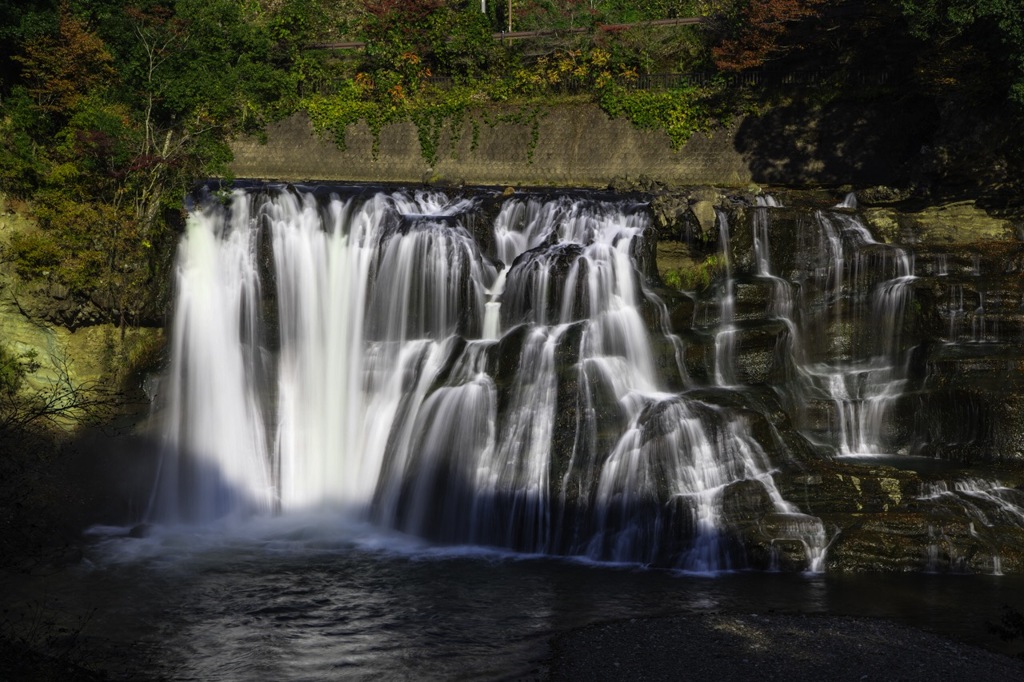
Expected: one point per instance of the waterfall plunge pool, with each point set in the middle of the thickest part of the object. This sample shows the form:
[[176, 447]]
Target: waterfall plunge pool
[[299, 598]]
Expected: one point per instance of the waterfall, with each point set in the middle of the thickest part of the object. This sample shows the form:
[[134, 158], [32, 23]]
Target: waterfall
[[864, 384], [844, 331], [216, 456], [849, 201], [404, 359], [725, 338], [988, 504]]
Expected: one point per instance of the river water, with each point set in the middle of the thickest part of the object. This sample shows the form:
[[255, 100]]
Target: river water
[[301, 599]]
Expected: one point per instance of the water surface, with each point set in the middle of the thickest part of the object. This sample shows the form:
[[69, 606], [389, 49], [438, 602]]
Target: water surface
[[301, 600]]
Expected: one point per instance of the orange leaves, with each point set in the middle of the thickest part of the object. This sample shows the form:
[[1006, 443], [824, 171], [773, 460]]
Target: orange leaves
[[61, 71], [760, 34], [364, 83]]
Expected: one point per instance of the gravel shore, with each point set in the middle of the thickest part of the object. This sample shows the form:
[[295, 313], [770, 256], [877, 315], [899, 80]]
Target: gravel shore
[[795, 648]]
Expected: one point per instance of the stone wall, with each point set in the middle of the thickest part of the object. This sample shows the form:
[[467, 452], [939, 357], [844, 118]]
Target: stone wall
[[858, 143], [578, 146]]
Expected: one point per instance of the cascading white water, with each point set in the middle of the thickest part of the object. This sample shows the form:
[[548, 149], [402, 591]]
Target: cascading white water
[[399, 374], [987, 501], [988, 504], [861, 374], [849, 201], [864, 386], [216, 458], [725, 338], [781, 305]]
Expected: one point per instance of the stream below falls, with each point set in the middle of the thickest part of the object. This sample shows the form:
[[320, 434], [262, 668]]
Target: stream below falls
[[297, 599]]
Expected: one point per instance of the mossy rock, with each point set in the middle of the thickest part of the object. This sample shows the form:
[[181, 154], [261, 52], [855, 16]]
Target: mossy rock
[[956, 223], [940, 539]]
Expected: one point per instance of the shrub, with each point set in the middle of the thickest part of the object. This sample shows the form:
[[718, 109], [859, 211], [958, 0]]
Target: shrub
[[695, 276]]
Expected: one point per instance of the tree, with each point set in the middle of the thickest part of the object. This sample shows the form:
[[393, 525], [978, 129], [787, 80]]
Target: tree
[[974, 26], [116, 111], [754, 31], [58, 401], [21, 20], [60, 69]]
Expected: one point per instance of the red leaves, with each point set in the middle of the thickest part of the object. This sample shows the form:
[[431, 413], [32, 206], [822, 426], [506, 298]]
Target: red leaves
[[97, 143], [761, 32], [155, 14]]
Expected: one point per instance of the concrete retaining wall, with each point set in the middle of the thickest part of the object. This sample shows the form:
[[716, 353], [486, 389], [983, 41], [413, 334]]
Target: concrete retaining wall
[[578, 146], [797, 144]]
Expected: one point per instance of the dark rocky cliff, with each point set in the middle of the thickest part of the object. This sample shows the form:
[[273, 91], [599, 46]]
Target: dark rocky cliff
[[947, 499]]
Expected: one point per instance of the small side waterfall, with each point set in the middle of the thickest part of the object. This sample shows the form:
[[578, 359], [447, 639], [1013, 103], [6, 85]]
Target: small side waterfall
[[864, 384], [407, 360], [725, 338], [843, 343], [988, 504]]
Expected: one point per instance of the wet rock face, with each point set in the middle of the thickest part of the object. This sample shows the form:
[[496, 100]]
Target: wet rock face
[[52, 303], [826, 331], [880, 518], [974, 294], [689, 216], [955, 328], [906, 326], [537, 282], [770, 539], [939, 540]]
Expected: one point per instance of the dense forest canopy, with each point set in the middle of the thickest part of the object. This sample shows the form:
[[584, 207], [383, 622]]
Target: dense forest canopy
[[110, 110]]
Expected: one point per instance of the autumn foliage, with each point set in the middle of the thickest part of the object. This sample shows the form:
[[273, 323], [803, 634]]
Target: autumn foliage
[[60, 69], [402, 12], [759, 32]]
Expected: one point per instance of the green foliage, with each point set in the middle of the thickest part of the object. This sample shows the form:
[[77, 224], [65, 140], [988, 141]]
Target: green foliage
[[116, 110], [335, 113], [659, 49], [644, 10], [553, 14], [462, 47], [97, 141], [20, 165], [410, 45], [59, 69], [92, 248], [434, 111], [680, 112], [695, 276], [431, 110], [13, 369], [566, 14], [964, 26], [36, 254]]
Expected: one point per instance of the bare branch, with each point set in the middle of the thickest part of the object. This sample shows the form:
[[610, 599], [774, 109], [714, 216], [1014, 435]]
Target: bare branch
[[63, 402]]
